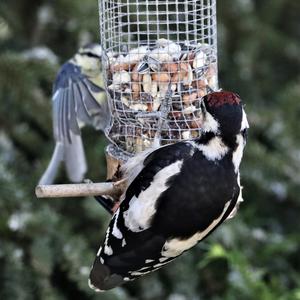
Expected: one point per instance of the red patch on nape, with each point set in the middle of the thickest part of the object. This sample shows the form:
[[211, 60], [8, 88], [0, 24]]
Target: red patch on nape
[[220, 98]]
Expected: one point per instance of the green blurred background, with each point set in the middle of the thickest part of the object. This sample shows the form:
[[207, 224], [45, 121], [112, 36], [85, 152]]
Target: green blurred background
[[47, 246]]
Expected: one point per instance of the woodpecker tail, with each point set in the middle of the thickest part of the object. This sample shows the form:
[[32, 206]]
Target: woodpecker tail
[[51, 171], [101, 278], [74, 158]]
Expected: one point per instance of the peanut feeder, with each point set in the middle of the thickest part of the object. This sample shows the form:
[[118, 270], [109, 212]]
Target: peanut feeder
[[160, 59]]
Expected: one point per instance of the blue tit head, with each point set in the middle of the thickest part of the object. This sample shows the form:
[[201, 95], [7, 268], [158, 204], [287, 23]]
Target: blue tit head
[[88, 57], [91, 50]]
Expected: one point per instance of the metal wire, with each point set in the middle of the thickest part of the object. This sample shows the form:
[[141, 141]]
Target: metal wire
[[157, 50]]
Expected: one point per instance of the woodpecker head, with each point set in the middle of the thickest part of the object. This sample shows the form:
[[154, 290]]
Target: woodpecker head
[[88, 58], [224, 115]]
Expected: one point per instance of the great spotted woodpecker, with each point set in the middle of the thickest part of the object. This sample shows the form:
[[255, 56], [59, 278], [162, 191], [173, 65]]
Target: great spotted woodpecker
[[176, 196]]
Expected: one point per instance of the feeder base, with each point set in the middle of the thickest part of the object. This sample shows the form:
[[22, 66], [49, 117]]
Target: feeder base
[[115, 158]]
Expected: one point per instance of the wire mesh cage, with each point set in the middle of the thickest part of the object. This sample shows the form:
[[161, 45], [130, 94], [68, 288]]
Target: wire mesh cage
[[160, 59]]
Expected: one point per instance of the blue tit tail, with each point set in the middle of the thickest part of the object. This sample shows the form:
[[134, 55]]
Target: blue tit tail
[[57, 157], [74, 158]]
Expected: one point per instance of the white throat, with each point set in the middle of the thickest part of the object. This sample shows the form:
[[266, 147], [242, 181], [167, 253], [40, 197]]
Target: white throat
[[245, 123], [238, 153], [210, 124], [215, 149]]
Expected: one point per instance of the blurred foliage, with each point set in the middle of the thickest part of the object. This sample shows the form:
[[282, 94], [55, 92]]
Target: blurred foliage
[[47, 246]]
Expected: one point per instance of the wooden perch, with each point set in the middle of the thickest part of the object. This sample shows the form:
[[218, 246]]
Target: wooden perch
[[114, 189], [79, 190]]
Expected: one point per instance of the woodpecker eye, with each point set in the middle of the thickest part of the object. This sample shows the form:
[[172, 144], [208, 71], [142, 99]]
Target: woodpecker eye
[[244, 133]]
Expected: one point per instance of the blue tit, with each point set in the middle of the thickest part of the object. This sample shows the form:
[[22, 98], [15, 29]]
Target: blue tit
[[177, 195], [78, 99]]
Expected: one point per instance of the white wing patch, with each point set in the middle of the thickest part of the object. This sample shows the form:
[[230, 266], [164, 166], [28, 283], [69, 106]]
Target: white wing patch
[[142, 209], [116, 231], [214, 150], [175, 247], [136, 273], [160, 265], [162, 259], [127, 279], [99, 251], [106, 237], [108, 250]]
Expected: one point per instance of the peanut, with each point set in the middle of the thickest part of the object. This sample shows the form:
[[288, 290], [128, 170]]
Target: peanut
[[189, 98], [161, 77]]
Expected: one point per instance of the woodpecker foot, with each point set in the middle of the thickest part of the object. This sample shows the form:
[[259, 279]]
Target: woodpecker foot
[[106, 202], [116, 206]]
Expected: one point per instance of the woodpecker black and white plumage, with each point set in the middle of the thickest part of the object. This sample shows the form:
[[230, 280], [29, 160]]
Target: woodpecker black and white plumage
[[177, 195], [78, 99]]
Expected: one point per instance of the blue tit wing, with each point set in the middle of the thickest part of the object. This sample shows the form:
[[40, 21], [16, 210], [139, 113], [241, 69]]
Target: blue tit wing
[[168, 208], [77, 101], [74, 102]]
